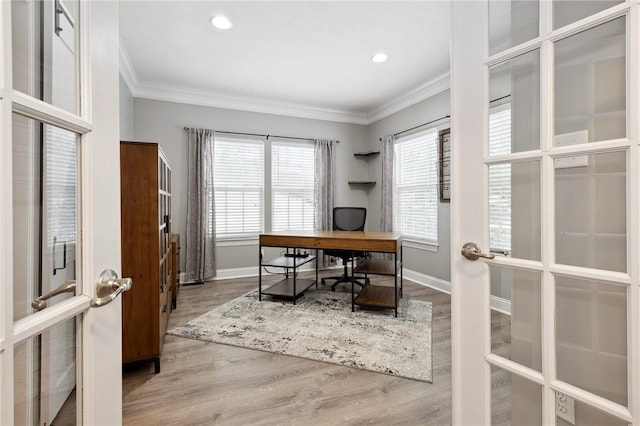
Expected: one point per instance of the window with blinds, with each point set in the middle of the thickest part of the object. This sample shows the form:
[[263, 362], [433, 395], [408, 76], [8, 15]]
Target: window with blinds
[[416, 186], [292, 185], [238, 178], [61, 157], [500, 179]]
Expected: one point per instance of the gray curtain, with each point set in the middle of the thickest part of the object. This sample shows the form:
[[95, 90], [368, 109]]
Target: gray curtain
[[324, 185], [201, 234], [386, 212]]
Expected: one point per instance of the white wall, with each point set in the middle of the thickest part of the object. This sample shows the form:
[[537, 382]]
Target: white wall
[[164, 122], [425, 262], [126, 112]]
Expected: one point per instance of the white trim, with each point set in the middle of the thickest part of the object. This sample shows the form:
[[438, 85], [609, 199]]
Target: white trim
[[497, 303], [55, 314], [427, 90], [427, 280], [127, 70], [191, 96], [33, 108], [225, 274], [244, 103], [233, 242], [431, 246]]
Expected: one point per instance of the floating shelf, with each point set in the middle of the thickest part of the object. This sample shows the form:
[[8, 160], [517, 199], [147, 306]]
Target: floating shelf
[[366, 154], [362, 182]]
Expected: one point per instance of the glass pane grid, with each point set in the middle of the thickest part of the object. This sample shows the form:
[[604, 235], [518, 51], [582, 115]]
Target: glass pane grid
[[591, 336]]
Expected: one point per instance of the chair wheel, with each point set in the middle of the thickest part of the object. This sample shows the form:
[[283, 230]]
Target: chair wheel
[[333, 289]]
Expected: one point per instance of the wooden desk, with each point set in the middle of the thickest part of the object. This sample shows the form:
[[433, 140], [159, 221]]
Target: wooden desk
[[381, 242]]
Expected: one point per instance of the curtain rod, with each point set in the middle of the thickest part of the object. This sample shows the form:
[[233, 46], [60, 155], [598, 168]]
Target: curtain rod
[[419, 125], [259, 134], [441, 118]]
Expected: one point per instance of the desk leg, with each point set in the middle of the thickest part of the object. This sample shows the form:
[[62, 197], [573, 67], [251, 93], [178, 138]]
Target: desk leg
[[353, 298], [260, 273], [401, 274], [395, 281], [294, 277], [317, 265]]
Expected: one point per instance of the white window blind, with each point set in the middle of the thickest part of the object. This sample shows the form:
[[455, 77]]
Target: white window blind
[[292, 185], [61, 156], [500, 180], [238, 178], [416, 185]]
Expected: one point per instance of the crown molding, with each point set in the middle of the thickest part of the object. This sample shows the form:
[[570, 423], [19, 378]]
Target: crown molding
[[214, 99], [419, 94], [127, 71], [243, 103]]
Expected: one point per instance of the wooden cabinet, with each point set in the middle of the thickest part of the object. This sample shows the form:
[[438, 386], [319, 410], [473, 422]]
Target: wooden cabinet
[[145, 185]]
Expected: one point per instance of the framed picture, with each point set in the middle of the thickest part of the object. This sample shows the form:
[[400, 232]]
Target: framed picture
[[444, 164]]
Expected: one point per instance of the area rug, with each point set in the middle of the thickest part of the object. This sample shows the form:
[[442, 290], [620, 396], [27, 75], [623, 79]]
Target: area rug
[[322, 327]]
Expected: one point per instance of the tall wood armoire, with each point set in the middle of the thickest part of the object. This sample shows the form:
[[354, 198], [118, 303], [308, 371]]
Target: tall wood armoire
[[145, 187]]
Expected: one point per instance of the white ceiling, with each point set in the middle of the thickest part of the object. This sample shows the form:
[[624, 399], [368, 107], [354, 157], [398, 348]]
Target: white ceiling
[[300, 58]]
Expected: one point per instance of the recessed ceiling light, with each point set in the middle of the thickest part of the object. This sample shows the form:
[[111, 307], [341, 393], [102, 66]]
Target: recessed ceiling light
[[221, 23], [379, 57]]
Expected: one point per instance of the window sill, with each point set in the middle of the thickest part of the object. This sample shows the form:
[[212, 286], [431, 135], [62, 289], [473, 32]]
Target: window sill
[[231, 242], [431, 246]]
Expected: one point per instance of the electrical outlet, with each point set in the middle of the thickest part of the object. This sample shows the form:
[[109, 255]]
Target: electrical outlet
[[565, 408]]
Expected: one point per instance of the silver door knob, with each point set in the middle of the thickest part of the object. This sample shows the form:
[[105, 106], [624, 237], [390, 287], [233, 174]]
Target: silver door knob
[[471, 251], [110, 287]]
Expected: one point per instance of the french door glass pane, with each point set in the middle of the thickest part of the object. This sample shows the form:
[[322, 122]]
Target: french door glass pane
[[591, 221], [566, 12], [45, 214], [516, 328], [514, 208], [585, 415], [512, 23], [514, 400], [590, 85], [45, 50], [591, 335], [514, 105], [45, 377]]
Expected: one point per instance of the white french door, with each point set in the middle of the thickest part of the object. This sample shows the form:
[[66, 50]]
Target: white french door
[[60, 358], [545, 99]]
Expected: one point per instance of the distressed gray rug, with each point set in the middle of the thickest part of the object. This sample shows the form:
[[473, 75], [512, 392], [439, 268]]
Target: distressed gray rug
[[322, 327]]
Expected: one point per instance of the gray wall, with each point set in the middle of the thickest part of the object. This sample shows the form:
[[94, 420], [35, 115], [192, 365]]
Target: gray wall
[[426, 262], [164, 122], [126, 112]]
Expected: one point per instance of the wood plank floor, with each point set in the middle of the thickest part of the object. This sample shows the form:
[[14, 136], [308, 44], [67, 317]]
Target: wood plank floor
[[209, 383]]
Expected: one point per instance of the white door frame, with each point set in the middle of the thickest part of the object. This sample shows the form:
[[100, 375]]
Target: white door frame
[[471, 347], [99, 373]]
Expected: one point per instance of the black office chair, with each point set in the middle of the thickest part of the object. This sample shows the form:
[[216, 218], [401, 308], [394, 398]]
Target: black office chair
[[347, 219]]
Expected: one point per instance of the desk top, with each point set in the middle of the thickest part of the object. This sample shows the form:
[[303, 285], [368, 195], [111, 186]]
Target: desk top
[[386, 242]]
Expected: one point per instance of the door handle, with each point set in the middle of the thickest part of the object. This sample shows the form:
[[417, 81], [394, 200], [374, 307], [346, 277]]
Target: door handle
[[471, 251], [109, 287], [41, 302]]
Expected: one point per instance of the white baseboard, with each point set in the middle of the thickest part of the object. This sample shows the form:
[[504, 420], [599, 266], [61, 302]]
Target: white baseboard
[[427, 280], [497, 303]]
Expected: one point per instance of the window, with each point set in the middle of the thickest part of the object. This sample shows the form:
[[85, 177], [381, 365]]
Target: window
[[500, 179], [292, 185], [416, 186], [238, 176], [61, 155]]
